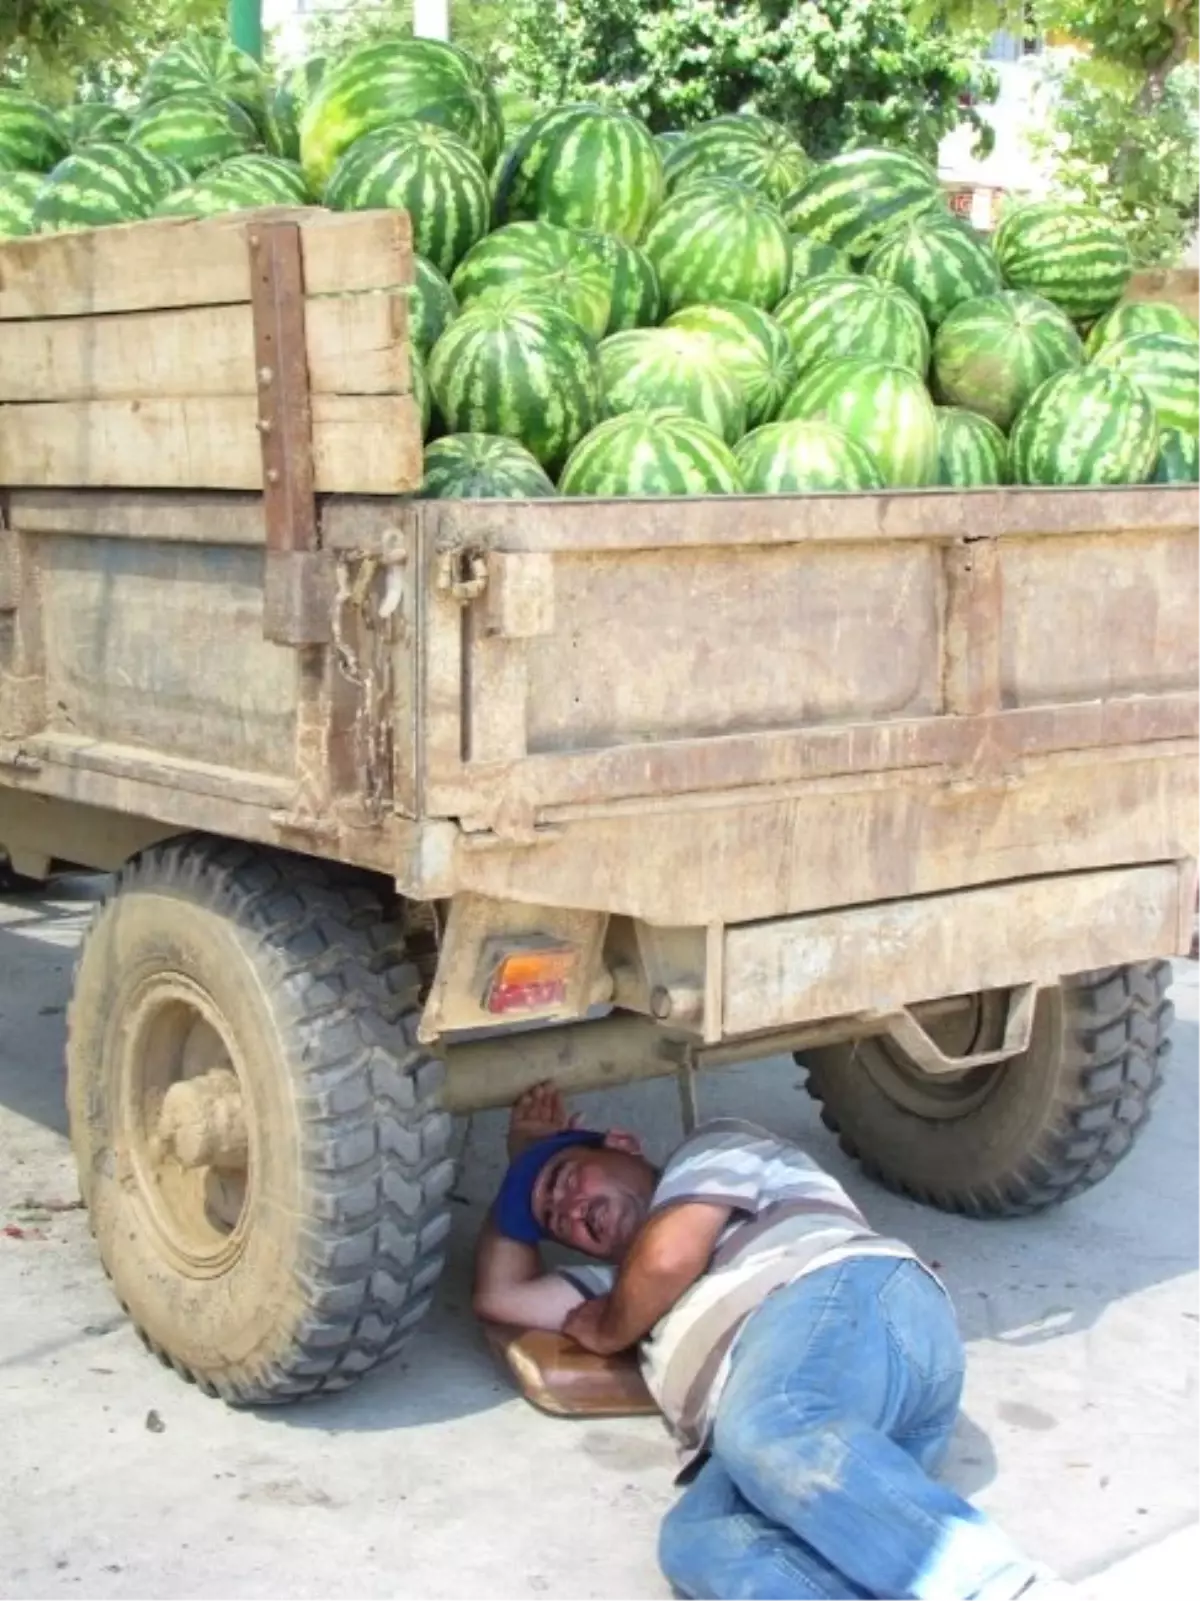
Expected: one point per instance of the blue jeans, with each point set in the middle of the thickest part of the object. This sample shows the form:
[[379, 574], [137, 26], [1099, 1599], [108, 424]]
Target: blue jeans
[[840, 1403]]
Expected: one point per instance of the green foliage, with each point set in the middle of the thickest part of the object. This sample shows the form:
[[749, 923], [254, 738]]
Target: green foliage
[[62, 49], [476, 25], [839, 73], [1145, 36]]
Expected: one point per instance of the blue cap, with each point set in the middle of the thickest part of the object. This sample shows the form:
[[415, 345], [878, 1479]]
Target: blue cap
[[513, 1211]]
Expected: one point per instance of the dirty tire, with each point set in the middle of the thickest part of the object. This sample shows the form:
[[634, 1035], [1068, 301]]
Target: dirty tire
[[331, 1260], [1039, 1129]]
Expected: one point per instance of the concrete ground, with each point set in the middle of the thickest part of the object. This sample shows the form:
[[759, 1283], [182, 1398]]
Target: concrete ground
[[432, 1480]]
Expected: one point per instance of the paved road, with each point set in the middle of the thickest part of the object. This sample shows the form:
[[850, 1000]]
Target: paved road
[[432, 1480]]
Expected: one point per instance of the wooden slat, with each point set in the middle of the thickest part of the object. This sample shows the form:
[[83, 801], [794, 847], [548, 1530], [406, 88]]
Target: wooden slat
[[363, 444], [146, 266], [357, 345], [212, 518]]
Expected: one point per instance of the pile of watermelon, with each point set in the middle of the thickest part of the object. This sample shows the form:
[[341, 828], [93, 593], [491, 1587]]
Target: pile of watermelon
[[601, 311]]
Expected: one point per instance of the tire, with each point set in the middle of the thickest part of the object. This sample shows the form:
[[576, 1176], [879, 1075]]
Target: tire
[[1016, 1138], [315, 1259]]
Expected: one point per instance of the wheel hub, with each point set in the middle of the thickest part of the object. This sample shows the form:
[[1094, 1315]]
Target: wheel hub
[[202, 1121]]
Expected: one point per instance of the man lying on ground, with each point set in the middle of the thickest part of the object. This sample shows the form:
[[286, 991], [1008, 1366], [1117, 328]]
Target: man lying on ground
[[810, 1367]]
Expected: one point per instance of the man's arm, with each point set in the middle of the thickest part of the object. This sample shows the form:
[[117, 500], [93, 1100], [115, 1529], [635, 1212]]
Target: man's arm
[[510, 1286], [666, 1258]]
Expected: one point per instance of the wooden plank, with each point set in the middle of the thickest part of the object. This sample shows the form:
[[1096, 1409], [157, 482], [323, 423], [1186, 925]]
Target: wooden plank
[[362, 444], [887, 956], [144, 266], [356, 344], [201, 518], [729, 520]]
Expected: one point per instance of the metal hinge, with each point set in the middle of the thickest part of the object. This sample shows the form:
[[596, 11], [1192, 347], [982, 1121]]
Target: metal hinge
[[462, 572]]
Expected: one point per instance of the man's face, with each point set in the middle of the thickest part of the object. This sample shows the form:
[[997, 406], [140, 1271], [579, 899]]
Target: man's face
[[593, 1198]]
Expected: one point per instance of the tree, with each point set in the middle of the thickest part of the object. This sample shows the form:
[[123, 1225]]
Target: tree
[[477, 25], [57, 48], [841, 72]]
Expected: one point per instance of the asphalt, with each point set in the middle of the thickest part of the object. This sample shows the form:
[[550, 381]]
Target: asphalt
[[431, 1479]]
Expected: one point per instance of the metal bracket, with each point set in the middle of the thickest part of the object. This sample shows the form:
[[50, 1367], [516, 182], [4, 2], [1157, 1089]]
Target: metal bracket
[[908, 1033], [297, 588], [462, 572]]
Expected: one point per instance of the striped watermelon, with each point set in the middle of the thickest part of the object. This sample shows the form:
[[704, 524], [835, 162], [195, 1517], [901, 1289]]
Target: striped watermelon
[[660, 369], [651, 453], [528, 372], [936, 261], [90, 122], [390, 81], [636, 295], [751, 346], [1178, 458], [805, 456], [421, 392], [885, 407], [32, 138], [288, 102], [810, 258], [493, 122], [429, 173], [853, 199], [18, 192], [838, 314], [103, 184], [1139, 317], [431, 305], [239, 184], [751, 150], [211, 63], [519, 111], [582, 166], [1072, 256], [971, 450], [482, 467], [196, 128], [543, 259], [718, 241], [1166, 368], [992, 352], [1085, 425]]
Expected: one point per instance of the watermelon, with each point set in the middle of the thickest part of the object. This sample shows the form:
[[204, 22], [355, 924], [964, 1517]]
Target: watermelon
[[1139, 317], [431, 305], [582, 166], [669, 138], [937, 262], [542, 258], [493, 121], [636, 295], [32, 138], [528, 372], [651, 453], [391, 81], [751, 150], [482, 467], [426, 171], [288, 102], [971, 450], [659, 369], [1166, 368], [92, 122], [718, 241], [105, 183], [212, 64], [884, 407], [420, 390], [852, 200], [240, 184], [839, 314], [992, 352], [805, 456], [1178, 458], [751, 346], [196, 128], [1085, 425], [810, 258], [519, 110], [1073, 256], [18, 192]]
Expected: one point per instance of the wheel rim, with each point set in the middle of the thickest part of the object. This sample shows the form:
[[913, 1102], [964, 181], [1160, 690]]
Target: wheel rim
[[185, 1125], [974, 1025]]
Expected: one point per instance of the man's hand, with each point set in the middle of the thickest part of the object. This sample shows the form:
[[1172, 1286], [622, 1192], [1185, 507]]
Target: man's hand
[[585, 1325], [540, 1112]]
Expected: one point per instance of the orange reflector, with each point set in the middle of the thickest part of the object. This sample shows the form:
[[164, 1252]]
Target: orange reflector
[[532, 979]]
